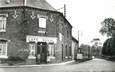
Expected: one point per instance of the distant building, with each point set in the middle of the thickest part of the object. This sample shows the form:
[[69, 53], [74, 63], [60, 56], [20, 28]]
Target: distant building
[[37, 26]]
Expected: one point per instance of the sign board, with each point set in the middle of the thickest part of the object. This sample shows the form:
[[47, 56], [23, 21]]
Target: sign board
[[36, 39], [42, 32], [60, 36]]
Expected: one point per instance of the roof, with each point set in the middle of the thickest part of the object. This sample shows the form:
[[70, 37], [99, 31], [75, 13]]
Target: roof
[[37, 4], [41, 4], [65, 19], [74, 39]]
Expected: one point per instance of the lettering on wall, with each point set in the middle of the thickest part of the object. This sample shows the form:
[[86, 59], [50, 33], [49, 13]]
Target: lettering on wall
[[41, 39], [15, 14], [33, 15]]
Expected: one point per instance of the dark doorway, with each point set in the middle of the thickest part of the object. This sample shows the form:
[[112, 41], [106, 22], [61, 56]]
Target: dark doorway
[[62, 53], [41, 52]]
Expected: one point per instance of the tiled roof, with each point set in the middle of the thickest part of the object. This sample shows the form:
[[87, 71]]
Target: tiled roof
[[41, 4]]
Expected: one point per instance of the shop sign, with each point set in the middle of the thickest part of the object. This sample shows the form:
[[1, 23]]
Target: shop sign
[[41, 39]]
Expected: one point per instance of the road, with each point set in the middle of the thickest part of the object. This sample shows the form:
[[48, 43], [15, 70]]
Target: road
[[95, 65]]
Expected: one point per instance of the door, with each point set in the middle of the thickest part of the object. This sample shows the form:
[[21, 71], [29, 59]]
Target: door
[[41, 52]]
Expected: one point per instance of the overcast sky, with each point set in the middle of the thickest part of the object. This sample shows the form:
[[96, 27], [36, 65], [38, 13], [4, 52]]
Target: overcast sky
[[86, 16]]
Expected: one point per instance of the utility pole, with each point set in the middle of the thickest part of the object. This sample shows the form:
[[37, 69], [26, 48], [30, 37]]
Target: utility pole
[[78, 38], [64, 9], [78, 42]]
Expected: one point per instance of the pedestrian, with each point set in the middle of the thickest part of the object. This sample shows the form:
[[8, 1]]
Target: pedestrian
[[38, 58]]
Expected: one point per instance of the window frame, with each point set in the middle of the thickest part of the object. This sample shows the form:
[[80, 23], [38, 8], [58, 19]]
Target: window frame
[[3, 19], [70, 51], [51, 49], [31, 46], [66, 50], [2, 43]]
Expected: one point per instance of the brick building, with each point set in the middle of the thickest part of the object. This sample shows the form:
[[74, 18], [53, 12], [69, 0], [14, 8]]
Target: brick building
[[37, 26], [75, 43]]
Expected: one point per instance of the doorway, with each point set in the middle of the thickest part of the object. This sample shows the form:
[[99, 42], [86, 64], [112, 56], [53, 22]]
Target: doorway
[[41, 52]]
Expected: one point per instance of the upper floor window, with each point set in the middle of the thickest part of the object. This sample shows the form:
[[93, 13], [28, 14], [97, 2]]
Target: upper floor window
[[70, 33], [3, 18], [67, 33], [60, 36], [2, 24], [8, 1], [3, 49]]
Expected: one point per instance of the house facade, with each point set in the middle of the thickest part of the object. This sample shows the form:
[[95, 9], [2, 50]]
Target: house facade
[[36, 26]]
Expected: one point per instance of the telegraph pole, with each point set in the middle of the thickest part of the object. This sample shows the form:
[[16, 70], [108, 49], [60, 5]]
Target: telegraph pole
[[64, 8], [78, 43], [78, 38]]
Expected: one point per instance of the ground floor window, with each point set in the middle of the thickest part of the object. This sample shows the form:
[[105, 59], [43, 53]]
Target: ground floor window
[[51, 50], [3, 49], [70, 51], [66, 50], [32, 49], [62, 52]]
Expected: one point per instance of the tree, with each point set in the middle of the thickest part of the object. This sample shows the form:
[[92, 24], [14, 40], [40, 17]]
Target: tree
[[107, 26], [96, 47], [109, 48]]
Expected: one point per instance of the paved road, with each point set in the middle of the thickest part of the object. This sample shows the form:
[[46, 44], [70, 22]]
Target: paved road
[[95, 65]]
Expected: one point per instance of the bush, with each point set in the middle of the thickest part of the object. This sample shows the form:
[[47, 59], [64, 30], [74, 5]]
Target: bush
[[108, 48], [21, 56], [13, 60]]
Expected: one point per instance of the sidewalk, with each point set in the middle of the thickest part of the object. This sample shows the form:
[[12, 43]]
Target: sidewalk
[[15, 66]]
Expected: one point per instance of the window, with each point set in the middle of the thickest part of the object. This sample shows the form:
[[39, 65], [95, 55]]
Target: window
[[70, 33], [66, 50], [67, 34], [3, 49], [60, 36], [51, 50], [2, 24], [42, 22], [62, 53], [32, 49], [8, 1], [61, 26], [70, 51]]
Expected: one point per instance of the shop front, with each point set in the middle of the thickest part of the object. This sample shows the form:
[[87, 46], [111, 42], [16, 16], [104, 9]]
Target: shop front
[[43, 49]]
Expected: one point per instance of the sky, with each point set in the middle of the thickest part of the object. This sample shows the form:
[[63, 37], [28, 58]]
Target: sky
[[86, 16]]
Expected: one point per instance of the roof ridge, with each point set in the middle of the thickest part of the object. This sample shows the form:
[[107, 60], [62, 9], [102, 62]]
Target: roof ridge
[[41, 4]]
